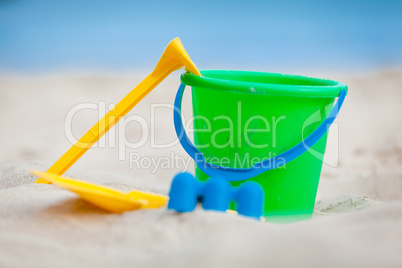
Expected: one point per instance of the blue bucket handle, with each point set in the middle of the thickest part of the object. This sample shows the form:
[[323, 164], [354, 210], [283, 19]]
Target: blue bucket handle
[[239, 174]]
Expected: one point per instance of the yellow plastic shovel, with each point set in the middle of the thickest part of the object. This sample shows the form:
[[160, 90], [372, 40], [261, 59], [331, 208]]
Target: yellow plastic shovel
[[108, 199], [173, 58]]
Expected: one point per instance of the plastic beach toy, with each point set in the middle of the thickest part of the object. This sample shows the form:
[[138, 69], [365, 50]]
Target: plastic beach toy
[[259, 141], [286, 157], [215, 194], [106, 198], [173, 58]]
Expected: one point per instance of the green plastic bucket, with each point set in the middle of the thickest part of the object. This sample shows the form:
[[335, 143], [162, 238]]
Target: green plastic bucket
[[241, 118]]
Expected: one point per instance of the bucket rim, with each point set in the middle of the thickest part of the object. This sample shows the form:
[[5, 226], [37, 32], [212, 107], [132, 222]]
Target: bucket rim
[[264, 83]]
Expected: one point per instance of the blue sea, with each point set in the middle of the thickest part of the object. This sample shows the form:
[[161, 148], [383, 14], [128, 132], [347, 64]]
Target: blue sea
[[69, 35]]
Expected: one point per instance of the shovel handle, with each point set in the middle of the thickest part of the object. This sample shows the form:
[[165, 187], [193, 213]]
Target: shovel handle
[[173, 58]]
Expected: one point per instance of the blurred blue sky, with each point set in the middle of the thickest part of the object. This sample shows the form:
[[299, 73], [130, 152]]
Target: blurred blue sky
[[46, 35]]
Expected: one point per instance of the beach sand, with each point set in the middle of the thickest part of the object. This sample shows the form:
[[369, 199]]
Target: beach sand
[[357, 220]]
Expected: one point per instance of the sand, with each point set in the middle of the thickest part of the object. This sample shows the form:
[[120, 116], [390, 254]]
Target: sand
[[357, 220]]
